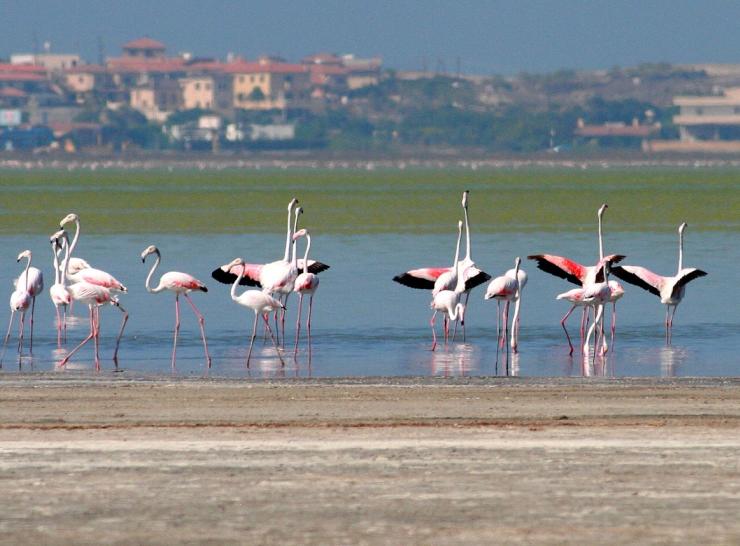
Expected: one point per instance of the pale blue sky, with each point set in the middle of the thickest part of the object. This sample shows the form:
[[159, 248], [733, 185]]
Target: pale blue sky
[[494, 36]]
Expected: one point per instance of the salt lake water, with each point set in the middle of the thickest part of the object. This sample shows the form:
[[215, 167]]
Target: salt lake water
[[366, 325]]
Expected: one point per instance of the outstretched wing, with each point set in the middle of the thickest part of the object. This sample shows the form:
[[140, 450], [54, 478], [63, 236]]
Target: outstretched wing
[[610, 260], [560, 267], [475, 277], [422, 278], [639, 276], [685, 276], [250, 278], [313, 266]]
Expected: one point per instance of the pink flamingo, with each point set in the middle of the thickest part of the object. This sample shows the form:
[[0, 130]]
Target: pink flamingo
[[33, 281], [258, 301], [507, 288], [93, 296], [580, 275], [445, 278], [448, 301], [670, 290], [89, 274], [305, 283], [179, 283], [58, 292], [21, 299]]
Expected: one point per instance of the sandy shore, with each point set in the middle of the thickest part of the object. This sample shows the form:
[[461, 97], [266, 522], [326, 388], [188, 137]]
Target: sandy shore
[[408, 461]]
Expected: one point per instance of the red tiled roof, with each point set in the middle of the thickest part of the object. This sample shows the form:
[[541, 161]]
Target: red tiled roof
[[245, 67], [33, 68], [144, 43], [12, 92], [137, 64], [21, 77]]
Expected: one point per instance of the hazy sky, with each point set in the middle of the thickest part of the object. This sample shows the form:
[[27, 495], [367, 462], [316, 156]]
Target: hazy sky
[[494, 36]]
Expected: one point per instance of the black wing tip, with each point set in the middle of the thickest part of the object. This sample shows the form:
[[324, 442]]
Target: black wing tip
[[318, 267], [477, 279], [226, 277], [413, 282], [204, 289]]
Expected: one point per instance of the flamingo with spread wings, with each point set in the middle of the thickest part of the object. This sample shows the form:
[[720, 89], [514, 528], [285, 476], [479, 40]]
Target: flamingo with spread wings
[[670, 290]]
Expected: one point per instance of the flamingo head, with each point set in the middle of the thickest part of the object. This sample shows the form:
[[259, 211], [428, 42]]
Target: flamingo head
[[602, 208], [517, 262], [57, 237], [298, 211], [292, 204], [151, 249], [24, 254], [465, 199], [233, 263], [300, 233], [71, 217], [682, 227]]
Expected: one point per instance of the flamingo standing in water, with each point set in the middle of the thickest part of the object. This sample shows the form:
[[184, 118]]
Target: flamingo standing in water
[[305, 283], [670, 290], [448, 301], [58, 292], [578, 274], [179, 283], [94, 296], [507, 288], [88, 274], [22, 298], [258, 301], [445, 278]]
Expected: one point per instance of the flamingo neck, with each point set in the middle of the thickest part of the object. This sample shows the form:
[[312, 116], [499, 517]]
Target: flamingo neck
[[28, 266], [289, 236], [65, 262], [457, 311], [518, 288], [305, 254], [56, 251], [680, 251], [236, 283], [149, 276], [467, 234], [601, 241], [74, 239], [460, 286]]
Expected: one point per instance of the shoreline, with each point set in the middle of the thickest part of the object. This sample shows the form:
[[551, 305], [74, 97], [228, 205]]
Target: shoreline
[[109, 460]]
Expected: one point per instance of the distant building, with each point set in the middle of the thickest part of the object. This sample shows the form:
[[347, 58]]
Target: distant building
[[157, 101], [198, 92], [263, 85], [709, 117], [54, 62], [144, 48], [617, 130]]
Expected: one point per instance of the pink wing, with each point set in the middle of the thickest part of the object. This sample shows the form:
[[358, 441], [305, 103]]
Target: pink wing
[[101, 278], [561, 267], [185, 281], [251, 274], [639, 276], [422, 278]]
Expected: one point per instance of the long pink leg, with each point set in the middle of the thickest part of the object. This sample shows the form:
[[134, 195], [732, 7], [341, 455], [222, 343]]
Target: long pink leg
[[298, 324], [446, 327], [498, 321], [7, 336], [124, 320], [308, 321], [30, 341], [562, 323], [274, 341], [177, 329], [202, 323], [254, 335], [97, 338], [59, 326], [454, 331], [20, 332], [614, 322], [434, 331], [667, 324], [88, 338]]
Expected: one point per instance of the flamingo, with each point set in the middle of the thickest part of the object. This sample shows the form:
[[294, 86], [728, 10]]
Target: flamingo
[[58, 292], [426, 278], [252, 272], [580, 275], [258, 301], [93, 296], [597, 295], [20, 301], [89, 274], [670, 290], [179, 283], [448, 301], [305, 283], [31, 281], [508, 288]]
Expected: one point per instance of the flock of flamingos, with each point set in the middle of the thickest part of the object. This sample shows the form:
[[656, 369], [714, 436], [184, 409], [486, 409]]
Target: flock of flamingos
[[76, 281]]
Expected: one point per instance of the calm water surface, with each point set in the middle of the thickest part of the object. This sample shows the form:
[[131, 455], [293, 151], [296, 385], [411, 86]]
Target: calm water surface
[[366, 325]]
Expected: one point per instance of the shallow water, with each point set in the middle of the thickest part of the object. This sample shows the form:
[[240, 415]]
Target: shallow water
[[366, 325]]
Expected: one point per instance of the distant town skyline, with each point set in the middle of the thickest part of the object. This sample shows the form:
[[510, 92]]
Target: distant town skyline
[[476, 36]]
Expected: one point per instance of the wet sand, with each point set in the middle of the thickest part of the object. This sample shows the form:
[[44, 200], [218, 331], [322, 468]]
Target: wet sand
[[120, 460]]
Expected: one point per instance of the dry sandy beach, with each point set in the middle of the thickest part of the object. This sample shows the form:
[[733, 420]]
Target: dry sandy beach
[[121, 460]]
